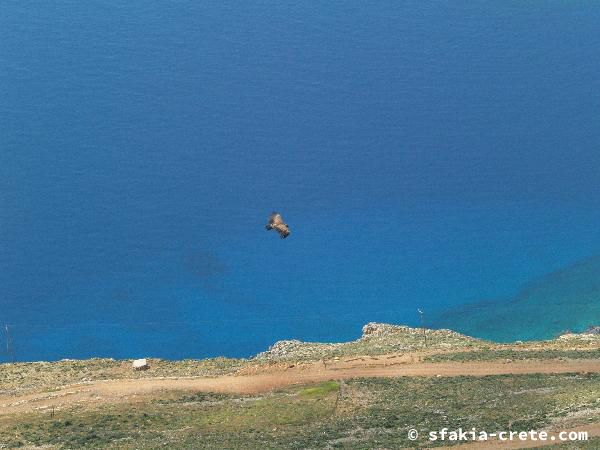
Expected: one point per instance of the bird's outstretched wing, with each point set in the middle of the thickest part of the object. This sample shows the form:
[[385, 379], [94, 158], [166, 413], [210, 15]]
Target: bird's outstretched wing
[[283, 230], [275, 219]]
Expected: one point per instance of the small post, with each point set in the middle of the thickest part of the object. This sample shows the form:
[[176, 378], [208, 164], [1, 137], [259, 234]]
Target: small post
[[420, 311]]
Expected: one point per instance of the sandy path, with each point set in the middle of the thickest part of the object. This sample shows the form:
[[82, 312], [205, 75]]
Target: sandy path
[[112, 391]]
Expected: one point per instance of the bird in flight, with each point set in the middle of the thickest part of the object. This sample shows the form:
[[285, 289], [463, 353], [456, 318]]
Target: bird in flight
[[276, 223]]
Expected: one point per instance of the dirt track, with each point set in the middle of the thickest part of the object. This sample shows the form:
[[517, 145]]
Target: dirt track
[[112, 391]]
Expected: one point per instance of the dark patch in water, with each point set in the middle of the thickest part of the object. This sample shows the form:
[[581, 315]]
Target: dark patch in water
[[205, 266], [122, 295]]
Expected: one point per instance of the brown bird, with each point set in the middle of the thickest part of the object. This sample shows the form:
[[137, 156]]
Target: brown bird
[[276, 223]]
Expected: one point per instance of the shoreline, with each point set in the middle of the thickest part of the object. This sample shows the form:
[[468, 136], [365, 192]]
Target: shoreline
[[376, 338]]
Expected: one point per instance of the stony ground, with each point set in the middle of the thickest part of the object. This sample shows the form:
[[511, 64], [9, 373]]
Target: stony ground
[[54, 405]]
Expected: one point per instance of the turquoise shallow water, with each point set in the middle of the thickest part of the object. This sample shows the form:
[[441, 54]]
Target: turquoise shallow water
[[565, 300], [425, 155]]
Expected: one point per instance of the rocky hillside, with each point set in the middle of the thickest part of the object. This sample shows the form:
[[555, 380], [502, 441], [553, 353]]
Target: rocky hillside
[[376, 339]]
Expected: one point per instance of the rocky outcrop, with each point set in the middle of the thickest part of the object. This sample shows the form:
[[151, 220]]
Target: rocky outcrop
[[591, 334], [373, 329], [376, 339], [378, 329], [296, 349]]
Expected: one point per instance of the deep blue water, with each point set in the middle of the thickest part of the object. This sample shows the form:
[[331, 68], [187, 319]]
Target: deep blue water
[[425, 154]]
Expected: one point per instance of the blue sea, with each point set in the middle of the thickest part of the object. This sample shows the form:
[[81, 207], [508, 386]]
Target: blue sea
[[434, 155]]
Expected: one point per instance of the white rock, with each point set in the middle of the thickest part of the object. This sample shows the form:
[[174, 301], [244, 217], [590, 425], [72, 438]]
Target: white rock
[[140, 364]]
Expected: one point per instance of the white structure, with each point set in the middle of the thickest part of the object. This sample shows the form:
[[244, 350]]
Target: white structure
[[140, 364]]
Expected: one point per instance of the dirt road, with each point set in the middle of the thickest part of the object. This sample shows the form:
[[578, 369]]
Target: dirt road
[[112, 391]]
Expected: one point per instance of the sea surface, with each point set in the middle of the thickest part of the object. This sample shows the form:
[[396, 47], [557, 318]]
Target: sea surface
[[433, 155]]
